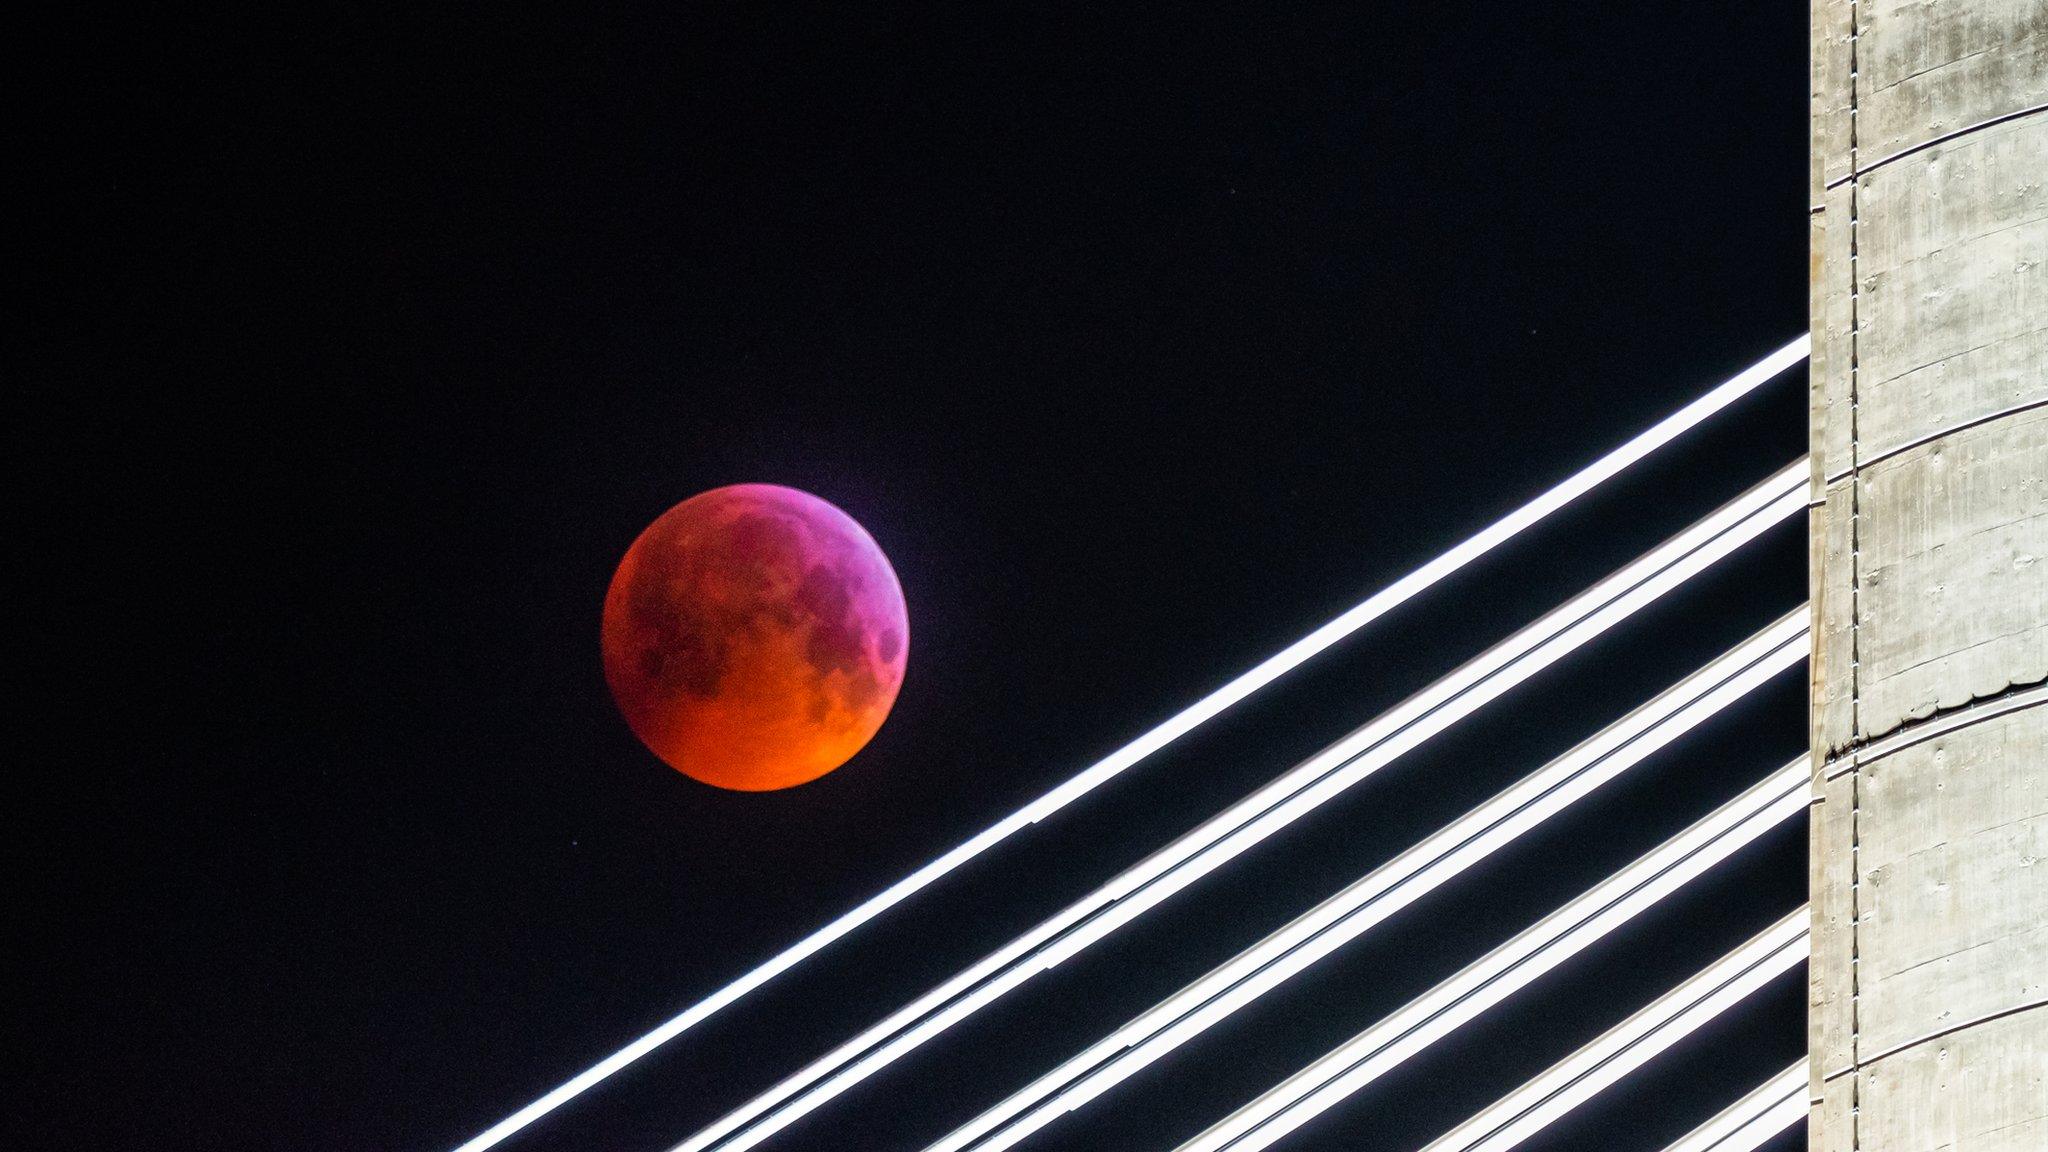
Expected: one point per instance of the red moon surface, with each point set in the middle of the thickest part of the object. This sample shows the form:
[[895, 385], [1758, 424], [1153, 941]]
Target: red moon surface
[[755, 637]]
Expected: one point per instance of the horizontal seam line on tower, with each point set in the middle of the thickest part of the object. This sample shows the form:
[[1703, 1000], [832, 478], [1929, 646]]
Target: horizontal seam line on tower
[[2017, 698], [1931, 437], [1936, 142], [1894, 1050]]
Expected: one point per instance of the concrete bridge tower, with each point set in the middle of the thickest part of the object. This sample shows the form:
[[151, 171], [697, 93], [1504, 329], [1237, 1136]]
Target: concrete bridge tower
[[1929, 180]]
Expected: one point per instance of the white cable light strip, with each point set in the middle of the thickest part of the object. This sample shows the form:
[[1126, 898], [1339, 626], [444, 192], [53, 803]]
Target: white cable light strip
[[1674, 1016], [1273, 806], [1775, 1105], [1511, 967], [1387, 889], [1272, 668]]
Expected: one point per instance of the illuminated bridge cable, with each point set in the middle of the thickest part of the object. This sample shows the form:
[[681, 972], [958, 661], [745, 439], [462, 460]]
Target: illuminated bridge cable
[[1174, 727], [1413, 874], [1413, 1027], [1275, 805], [1774, 1105], [1634, 1042]]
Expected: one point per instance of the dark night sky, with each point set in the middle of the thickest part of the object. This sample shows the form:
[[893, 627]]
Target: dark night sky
[[1143, 342]]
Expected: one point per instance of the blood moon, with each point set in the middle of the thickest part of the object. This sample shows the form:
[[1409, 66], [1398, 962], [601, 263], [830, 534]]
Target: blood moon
[[755, 637]]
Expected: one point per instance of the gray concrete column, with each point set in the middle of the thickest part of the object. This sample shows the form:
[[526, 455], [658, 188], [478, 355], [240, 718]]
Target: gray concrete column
[[1928, 1018]]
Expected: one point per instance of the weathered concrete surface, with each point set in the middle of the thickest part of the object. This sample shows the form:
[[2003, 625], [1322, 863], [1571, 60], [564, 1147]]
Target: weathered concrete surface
[[1979, 1090], [1928, 1017], [1953, 855]]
